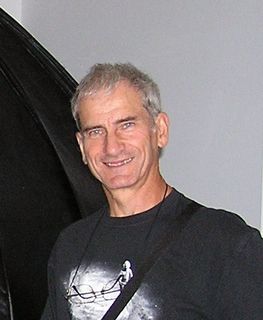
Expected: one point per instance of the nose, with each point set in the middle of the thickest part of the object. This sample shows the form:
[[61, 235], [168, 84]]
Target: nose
[[112, 144]]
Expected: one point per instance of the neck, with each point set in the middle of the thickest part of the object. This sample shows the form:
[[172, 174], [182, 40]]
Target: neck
[[126, 202]]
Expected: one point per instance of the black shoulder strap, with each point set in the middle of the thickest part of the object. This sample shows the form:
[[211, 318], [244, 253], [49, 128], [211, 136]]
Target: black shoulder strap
[[133, 285]]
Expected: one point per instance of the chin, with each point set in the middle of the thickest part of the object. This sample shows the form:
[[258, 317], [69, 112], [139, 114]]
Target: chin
[[119, 184]]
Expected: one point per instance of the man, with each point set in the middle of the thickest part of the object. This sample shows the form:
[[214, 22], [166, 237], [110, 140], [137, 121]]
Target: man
[[207, 267]]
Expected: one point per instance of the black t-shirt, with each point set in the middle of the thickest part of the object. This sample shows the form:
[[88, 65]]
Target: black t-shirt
[[213, 271]]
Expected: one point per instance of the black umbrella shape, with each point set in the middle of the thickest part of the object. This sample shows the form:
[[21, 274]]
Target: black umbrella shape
[[43, 184]]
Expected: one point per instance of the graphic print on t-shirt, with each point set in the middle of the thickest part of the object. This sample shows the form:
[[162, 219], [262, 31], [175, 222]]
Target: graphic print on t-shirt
[[94, 290]]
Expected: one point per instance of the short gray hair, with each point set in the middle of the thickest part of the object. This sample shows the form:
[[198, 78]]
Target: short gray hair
[[107, 76]]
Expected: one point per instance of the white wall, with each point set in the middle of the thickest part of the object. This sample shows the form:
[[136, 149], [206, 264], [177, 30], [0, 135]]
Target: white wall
[[12, 7], [207, 58], [262, 203]]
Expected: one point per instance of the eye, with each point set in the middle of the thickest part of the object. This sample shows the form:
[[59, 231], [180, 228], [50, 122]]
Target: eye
[[93, 133], [127, 125]]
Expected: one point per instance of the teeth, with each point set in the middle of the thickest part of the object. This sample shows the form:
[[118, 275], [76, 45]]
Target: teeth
[[118, 164], [127, 160]]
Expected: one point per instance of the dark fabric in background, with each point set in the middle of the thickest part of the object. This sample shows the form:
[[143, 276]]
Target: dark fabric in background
[[43, 184]]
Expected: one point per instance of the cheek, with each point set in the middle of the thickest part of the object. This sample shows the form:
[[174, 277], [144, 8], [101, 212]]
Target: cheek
[[151, 143], [90, 153], [92, 164]]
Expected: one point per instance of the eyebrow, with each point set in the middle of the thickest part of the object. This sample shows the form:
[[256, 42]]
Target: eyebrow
[[130, 118], [87, 128]]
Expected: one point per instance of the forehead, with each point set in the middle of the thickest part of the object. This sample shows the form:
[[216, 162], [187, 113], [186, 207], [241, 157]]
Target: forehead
[[123, 100]]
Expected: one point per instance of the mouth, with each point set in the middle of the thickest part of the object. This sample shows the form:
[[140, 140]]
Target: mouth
[[116, 164]]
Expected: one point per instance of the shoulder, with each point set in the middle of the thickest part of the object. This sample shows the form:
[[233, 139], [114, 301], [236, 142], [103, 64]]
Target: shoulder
[[222, 230], [72, 241], [216, 241], [79, 230], [219, 228], [222, 223]]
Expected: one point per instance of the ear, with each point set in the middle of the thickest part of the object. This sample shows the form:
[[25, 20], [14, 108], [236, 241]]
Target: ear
[[81, 146], [162, 126]]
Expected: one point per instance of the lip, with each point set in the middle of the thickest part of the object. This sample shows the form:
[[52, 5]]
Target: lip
[[119, 163]]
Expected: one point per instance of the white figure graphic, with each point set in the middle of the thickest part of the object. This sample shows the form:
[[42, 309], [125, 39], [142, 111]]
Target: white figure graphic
[[126, 273]]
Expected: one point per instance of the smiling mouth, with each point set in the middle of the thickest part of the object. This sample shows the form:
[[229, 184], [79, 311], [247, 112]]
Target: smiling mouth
[[115, 164]]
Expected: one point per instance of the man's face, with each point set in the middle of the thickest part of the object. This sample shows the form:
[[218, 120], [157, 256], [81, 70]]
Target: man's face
[[119, 140]]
